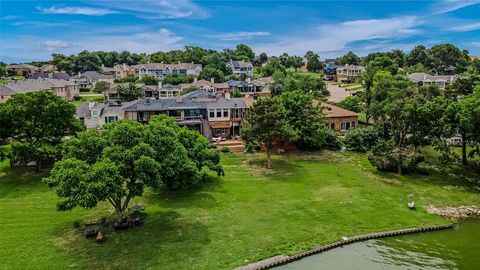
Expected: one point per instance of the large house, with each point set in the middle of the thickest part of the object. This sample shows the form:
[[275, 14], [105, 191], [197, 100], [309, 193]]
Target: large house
[[56, 75], [89, 79], [25, 70], [62, 88], [160, 91], [258, 87], [209, 86], [424, 79], [124, 70], [339, 119], [241, 67], [160, 70], [348, 73], [210, 114]]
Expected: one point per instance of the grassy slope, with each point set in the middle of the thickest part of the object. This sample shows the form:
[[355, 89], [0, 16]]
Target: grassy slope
[[248, 215]]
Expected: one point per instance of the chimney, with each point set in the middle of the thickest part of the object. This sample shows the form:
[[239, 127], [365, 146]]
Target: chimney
[[159, 84], [212, 80], [124, 65], [248, 79], [195, 80], [227, 95], [178, 99], [147, 101], [91, 104]]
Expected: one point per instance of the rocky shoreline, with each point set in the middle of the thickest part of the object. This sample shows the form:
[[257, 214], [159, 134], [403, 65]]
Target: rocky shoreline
[[455, 212]]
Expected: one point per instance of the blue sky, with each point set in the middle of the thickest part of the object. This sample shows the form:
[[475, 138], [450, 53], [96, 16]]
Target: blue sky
[[33, 30]]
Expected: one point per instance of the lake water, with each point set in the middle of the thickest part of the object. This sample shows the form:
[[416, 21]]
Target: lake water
[[457, 248]]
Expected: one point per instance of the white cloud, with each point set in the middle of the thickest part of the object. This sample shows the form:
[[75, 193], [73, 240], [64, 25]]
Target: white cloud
[[162, 9], [56, 45], [336, 37], [235, 36], [77, 11], [445, 6], [142, 42], [466, 27]]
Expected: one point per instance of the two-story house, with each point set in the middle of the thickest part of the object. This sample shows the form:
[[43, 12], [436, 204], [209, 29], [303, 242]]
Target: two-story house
[[240, 67], [210, 114], [254, 88], [124, 70], [209, 86], [160, 91], [95, 115], [89, 79], [339, 119], [25, 70], [160, 70], [348, 73], [62, 88]]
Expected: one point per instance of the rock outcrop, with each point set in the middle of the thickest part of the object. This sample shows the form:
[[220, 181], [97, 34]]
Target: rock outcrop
[[455, 212]]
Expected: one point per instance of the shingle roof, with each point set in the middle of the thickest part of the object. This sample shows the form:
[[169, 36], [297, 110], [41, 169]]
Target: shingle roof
[[60, 75], [170, 66], [240, 63], [20, 66], [29, 85], [332, 111], [420, 77], [93, 75], [198, 99]]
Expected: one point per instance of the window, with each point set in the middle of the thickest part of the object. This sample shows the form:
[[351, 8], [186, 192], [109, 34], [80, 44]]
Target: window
[[345, 126], [219, 113], [332, 126], [237, 113], [109, 119], [211, 113], [94, 113], [225, 112], [353, 124]]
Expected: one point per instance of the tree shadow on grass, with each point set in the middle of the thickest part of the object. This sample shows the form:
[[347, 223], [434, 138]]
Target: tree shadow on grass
[[166, 238], [283, 168], [20, 181]]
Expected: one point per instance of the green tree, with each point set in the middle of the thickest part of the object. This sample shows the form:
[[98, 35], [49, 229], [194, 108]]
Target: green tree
[[313, 62], [38, 123], [177, 78], [263, 58], [446, 59], [87, 61], [208, 73], [419, 55], [243, 51], [305, 115], [352, 103], [101, 87], [3, 70], [149, 80], [130, 92], [265, 124], [349, 59]]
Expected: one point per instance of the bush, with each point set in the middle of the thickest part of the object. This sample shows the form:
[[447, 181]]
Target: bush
[[386, 157], [362, 139], [251, 147], [225, 149], [330, 139], [77, 97], [83, 89]]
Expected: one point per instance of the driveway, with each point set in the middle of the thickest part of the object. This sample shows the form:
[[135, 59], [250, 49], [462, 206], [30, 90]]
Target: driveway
[[337, 93]]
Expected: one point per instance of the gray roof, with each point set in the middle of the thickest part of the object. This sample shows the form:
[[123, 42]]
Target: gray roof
[[421, 77], [93, 75], [84, 111], [21, 66], [29, 85], [198, 99], [240, 64], [59, 75], [170, 66]]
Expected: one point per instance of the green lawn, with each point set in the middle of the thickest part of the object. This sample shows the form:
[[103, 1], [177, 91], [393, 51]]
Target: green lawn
[[250, 214]]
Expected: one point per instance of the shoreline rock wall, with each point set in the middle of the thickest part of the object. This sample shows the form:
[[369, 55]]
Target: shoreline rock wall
[[455, 212]]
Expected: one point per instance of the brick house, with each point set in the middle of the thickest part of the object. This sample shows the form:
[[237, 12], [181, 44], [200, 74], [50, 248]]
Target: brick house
[[339, 119]]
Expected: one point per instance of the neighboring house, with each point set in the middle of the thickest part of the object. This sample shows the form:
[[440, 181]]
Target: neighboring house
[[348, 73], [209, 86], [23, 69], [58, 76], [47, 68], [62, 88], [330, 71], [95, 115], [88, 79], [258, 87], [124, 70], [212, 115], [424, 79], [107, 70], [339, 119], [241, 67], [473, 58], [160, 91], [160, 70]]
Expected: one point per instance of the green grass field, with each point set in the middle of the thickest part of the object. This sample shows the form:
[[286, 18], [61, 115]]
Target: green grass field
[[250, 214]]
